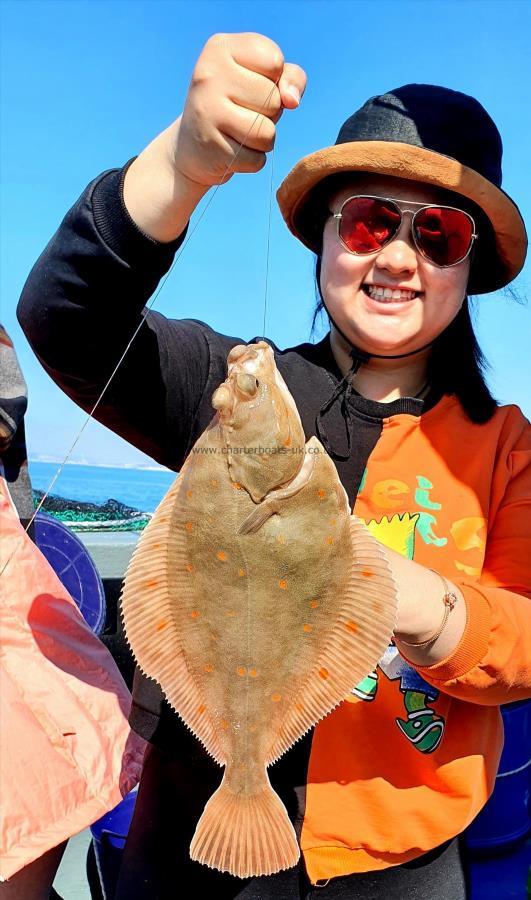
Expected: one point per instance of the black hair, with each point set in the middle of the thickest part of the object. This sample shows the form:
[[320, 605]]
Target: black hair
[[457, 364]]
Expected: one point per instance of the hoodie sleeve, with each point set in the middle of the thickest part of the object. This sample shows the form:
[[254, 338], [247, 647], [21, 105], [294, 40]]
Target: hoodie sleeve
[[492, 663], [83, 302]]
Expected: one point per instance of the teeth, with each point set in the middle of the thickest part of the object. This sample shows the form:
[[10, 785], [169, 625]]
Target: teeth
[[388, 295]]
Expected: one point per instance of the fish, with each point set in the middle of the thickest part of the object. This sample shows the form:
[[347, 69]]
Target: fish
[[257, 601]]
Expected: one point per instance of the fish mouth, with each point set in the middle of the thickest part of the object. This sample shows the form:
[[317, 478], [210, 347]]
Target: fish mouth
[[253, 359]]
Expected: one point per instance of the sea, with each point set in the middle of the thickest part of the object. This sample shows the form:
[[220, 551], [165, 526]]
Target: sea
[[140, 488]]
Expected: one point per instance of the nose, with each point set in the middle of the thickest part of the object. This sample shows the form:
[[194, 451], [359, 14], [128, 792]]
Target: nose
[[400, 255]]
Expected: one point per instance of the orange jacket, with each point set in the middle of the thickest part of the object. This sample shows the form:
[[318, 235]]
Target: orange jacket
[[411, 757], [67, 755]]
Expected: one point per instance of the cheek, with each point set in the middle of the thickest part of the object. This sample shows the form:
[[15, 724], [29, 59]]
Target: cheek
[[339, 269], [445, 291]]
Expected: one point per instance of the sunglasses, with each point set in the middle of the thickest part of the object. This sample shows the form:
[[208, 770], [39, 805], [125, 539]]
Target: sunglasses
[[443, 235]]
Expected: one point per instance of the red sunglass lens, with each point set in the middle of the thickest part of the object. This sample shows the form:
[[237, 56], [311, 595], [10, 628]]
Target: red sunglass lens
[[443, 235], [367, 224]]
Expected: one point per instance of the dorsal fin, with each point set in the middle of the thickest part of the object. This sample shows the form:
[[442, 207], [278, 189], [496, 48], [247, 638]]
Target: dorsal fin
[[151, 625]]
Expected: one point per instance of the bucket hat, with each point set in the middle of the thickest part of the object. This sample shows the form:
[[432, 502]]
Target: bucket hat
[[429, 134]]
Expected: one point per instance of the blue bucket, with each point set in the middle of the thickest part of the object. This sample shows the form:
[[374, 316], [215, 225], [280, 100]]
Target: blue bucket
[[74, 566], [507, 815], [108, 838]]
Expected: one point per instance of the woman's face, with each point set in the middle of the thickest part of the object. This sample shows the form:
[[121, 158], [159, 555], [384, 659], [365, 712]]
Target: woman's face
[[416, 318]]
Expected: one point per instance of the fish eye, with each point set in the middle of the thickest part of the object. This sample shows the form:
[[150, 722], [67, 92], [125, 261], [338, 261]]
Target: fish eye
[[247, 384]]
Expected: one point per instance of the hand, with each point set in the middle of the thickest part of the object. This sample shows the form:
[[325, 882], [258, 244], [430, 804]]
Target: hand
[[238, 91], [239, 88]]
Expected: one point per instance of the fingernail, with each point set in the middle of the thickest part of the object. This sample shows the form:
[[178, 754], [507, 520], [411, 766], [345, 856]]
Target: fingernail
[[295, 93]]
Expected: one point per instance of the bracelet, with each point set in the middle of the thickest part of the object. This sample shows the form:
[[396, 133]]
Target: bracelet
[[449, 600]]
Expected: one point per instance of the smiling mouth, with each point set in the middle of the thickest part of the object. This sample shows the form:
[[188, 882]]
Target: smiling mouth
[[389, 295]]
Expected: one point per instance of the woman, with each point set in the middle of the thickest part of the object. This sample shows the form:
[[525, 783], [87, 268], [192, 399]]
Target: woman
[[406, 215]]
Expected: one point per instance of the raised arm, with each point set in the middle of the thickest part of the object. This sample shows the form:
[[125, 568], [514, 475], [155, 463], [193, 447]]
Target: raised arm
[[84, 297]]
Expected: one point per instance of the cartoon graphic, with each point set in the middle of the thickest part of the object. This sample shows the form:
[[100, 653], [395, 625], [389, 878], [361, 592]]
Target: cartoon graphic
[[422, 726], [367, 687], [398, 532]]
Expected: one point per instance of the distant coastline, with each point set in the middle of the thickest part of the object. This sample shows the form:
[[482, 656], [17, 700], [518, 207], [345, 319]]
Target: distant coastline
[[141, 467], [140, 486]]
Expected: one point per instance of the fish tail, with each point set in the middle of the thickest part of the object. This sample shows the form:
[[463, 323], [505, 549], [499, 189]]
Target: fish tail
[[245, 834]]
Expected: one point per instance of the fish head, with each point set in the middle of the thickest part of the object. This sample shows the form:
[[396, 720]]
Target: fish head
[[260, 427]]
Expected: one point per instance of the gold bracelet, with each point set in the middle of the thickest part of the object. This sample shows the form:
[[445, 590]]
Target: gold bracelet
[[449, 599]]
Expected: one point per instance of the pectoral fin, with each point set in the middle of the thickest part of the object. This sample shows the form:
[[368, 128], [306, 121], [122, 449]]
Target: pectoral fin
[[271, 504], [256, 519]]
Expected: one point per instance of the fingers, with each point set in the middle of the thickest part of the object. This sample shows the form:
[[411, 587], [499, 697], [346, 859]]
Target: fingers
[[255, 131], [255, 92], [259, 56], [239, 88], [291, 85], [256, 53], [242, 159]]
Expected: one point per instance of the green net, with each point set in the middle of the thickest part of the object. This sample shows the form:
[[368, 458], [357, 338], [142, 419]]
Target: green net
[[79, 516]]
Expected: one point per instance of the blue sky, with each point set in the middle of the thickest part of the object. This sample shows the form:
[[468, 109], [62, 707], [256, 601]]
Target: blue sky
[[86, 85]]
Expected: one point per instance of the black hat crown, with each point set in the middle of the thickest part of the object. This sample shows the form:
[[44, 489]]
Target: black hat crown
[[434, 118]]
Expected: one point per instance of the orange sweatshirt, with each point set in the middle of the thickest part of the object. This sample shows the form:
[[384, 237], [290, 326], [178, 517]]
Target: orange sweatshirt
[[411, 757]]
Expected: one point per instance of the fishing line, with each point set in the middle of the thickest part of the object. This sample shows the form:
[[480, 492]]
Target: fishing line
[[150, 305], [268, 238]]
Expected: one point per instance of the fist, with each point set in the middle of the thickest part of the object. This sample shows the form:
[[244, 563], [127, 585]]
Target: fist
[[239, 89]]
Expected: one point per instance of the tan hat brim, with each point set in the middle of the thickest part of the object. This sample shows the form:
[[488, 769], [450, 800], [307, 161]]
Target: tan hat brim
[[415, 164]]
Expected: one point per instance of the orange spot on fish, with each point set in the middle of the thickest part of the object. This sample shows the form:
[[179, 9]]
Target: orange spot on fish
[[195, 614], [299, 707], [221, 555], [282, 584], [351, 626], [276, 698], [241, 671], [307, 628], [189, 494], [321, 494], [230, 613], [214, 482], [241, 572], [252, 727], [313, 604], [190, 567], [253, 673], [161, 625], [333, 522], [281, 539], [329, 539], [152, 583], [236, 486], [324, 673], [201, 709], [367, 573], [189, 526], [224, 724], [287, 442], [209, 667]]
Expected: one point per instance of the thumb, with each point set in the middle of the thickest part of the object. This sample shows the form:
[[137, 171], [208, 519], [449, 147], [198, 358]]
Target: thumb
[[292, 85]]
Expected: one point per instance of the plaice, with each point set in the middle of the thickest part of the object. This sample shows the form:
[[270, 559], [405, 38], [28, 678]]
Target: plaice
[[256, 601]]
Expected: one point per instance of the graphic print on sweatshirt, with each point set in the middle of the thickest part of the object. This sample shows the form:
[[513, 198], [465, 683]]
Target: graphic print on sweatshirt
[[420, 723]]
